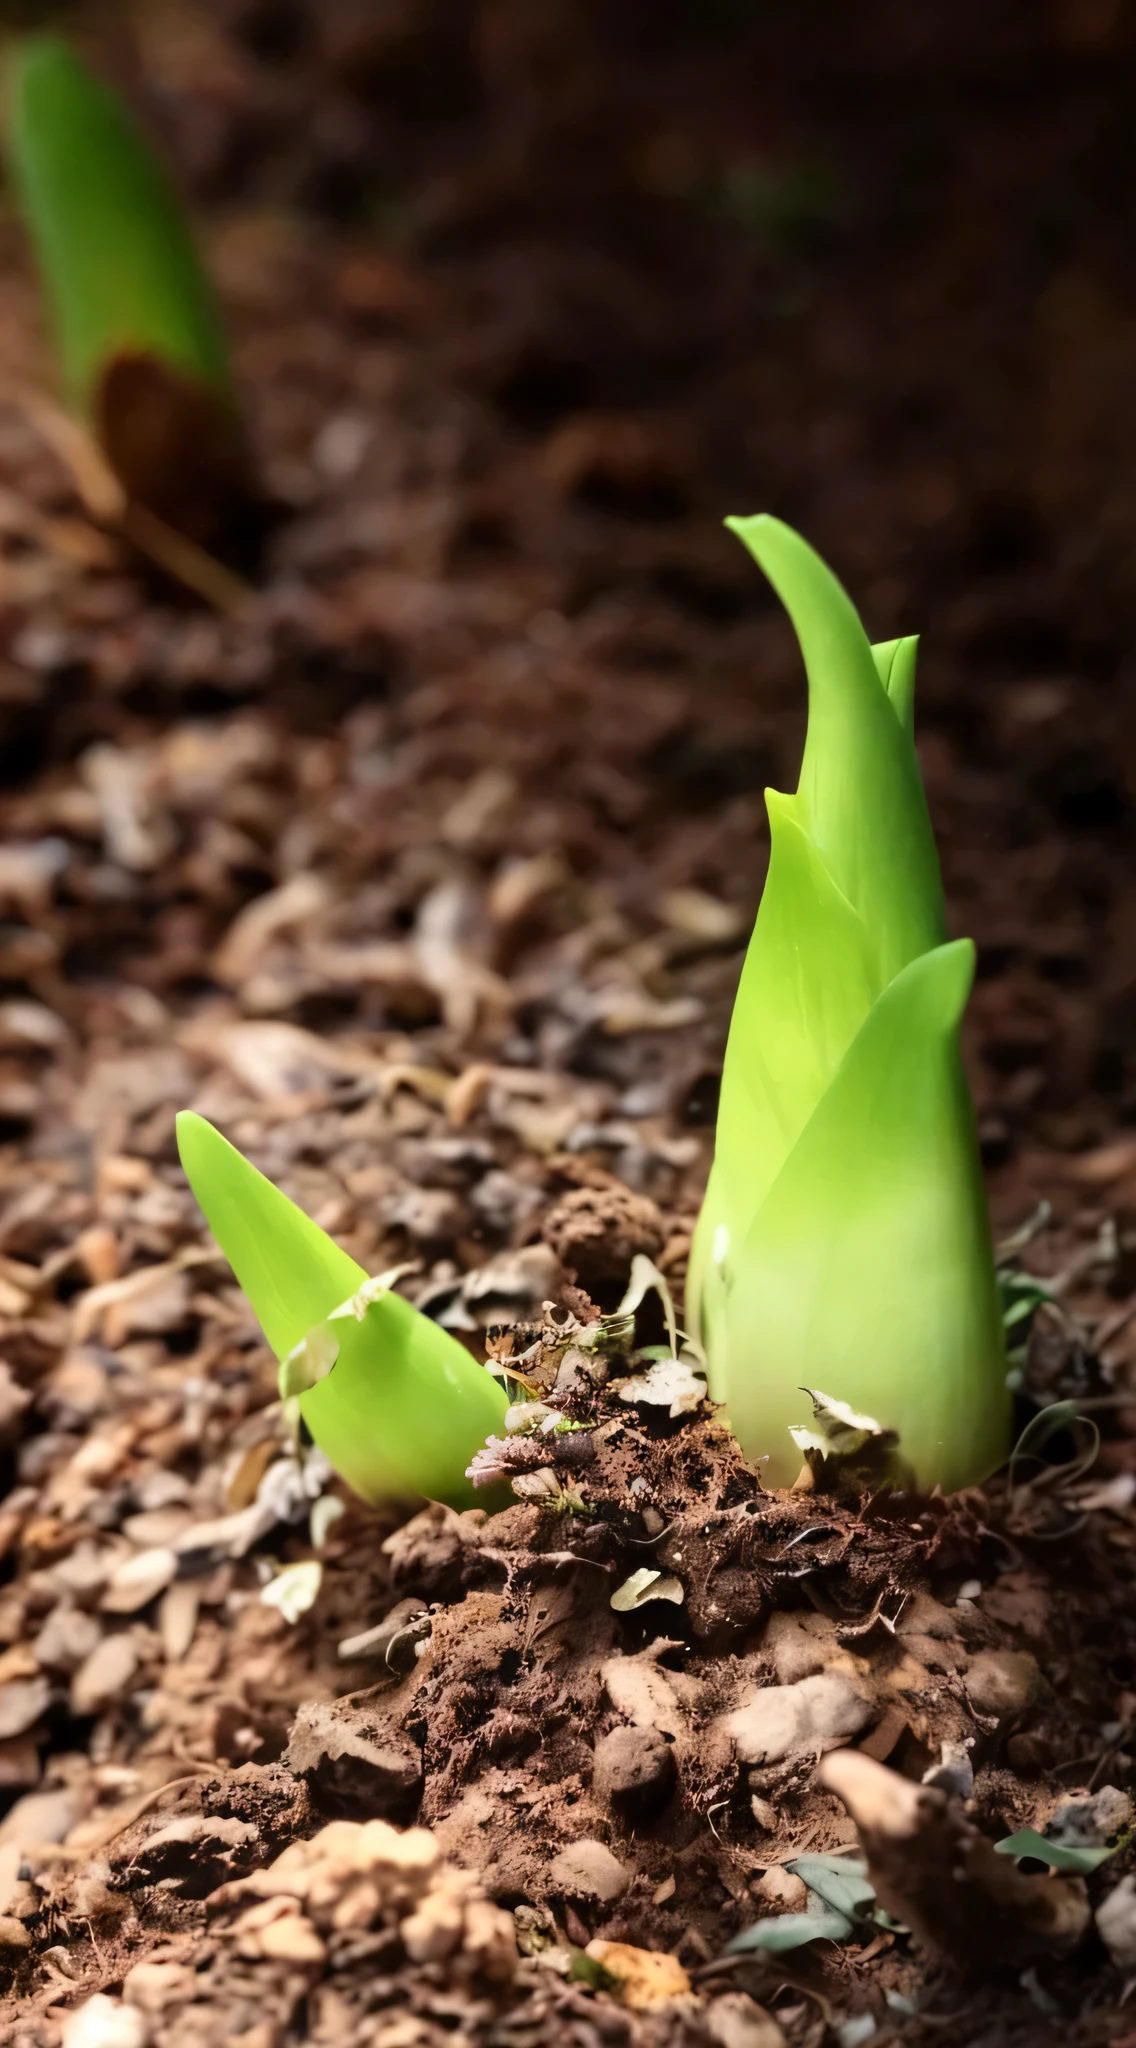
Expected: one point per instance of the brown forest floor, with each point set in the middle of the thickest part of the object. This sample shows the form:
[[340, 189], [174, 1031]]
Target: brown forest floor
[[427, 877]]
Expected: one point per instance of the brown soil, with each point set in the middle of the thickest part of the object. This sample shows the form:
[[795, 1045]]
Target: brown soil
[[427, 874]]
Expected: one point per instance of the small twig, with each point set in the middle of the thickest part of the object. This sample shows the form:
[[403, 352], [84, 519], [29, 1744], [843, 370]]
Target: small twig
[[718, 1807], [108, 502], [862, 1628], [644, 1542], [138, 1808], [183, 559], [1115, 1324], [531, 1560]]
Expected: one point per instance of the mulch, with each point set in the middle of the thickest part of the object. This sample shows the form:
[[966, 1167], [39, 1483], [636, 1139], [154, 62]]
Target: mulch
[[426, 874]]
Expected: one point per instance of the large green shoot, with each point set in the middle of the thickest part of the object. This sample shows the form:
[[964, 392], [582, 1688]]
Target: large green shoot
[[843, 1246], [397, 1404]]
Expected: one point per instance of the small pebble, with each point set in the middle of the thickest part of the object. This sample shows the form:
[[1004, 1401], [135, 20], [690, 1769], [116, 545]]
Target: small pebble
[[646, 1979], [588, 1870], [781, 1721], [67, 1636], [104, 2022], [40, 1817], [634, 1767], [291, 1939], [856, 2031], [177, 1618], [14, 1936], [1003, 1683], [22, 1701], [781, 1891], [151, 1986], [84, 1574], [1116, 1923], [736, 2021]]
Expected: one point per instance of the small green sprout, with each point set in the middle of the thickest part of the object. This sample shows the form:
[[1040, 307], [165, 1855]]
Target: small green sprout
[[118, 262], [843, 1246], [397, 1405]]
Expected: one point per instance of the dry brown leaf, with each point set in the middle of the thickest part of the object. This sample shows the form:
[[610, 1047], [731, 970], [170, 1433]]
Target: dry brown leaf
[[153, 1299], [295, 903]]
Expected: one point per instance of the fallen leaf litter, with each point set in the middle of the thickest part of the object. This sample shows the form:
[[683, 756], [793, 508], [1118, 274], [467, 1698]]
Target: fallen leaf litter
[[454, 976]]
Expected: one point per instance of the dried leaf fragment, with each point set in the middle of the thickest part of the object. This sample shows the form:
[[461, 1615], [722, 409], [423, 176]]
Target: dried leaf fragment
[[938, 1875], [670, 1383], [644, 1979], [295, 1589], [644, 1586], [842, 1448]]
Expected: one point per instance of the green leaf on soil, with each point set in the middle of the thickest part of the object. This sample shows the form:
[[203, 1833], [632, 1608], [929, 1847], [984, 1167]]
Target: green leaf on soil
[[1058, 1855], [840, 1881], [1021, 1294], [403, 1408], [786, 1931], [841, 1901]]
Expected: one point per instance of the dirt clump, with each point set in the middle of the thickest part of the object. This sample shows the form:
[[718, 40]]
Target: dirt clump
[[597, 1231]]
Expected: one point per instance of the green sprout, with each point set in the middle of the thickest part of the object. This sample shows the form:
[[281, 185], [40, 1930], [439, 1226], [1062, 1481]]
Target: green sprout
[[119, 267], [843, 1249], [397, 1405], [156, 443]]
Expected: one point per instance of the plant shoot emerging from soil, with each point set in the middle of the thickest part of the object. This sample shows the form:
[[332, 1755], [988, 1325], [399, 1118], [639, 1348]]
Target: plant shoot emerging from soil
[[397, 1405], [843, 1246], [156, 441], [117, 259]]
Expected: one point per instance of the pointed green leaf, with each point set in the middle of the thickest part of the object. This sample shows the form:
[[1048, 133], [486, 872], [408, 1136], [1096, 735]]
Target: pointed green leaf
[[868, 1268], [782, 1932], [806, 987], [1078, 1857], [843, 1242], [895, 666], [117, 258], [807, 984], [404, 1407], [860, 796], [293, 1273]]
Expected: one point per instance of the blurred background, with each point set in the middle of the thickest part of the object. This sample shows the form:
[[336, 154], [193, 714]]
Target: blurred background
[[522, 301], [423, 861]]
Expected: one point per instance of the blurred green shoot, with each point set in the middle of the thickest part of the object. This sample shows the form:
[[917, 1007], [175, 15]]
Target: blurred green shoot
[[118, 261], [397, 1405], [139, 340]]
